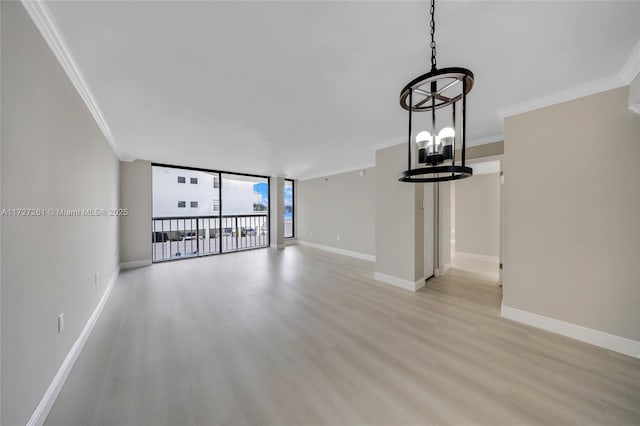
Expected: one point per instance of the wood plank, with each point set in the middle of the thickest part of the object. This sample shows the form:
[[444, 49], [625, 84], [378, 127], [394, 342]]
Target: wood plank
[[303, 336]]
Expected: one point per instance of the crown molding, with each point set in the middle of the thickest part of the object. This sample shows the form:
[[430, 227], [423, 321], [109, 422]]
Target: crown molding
[[629, 70], [44, 21], [389, 143], [592, 88], [337, 172], [485, 140]]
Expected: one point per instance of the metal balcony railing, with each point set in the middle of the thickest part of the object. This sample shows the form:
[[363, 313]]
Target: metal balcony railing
[[188, 236]]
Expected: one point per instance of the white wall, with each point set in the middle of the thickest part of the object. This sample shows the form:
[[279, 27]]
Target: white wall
[[444, 227], [53, 156], [373, 214], [399, 217], [429, 230], [634, 94], [342, 204], [135, 228], [571, 213], [477, 215], [1, 205]]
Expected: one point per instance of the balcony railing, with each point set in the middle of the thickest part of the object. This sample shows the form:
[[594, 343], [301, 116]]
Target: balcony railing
[[189, 236]]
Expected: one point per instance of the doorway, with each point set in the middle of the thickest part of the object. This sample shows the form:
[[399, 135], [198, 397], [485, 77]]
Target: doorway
[[476, 221], [429, 230]]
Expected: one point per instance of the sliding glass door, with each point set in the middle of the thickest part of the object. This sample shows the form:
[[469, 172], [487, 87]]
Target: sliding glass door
[[199, 212]]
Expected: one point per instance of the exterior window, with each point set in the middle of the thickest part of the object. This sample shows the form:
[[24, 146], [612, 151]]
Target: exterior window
[[289, 209], [218, 212]]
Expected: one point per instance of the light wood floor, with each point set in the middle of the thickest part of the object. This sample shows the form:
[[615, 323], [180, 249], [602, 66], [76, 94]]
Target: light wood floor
[[484, 269], [305, 337]]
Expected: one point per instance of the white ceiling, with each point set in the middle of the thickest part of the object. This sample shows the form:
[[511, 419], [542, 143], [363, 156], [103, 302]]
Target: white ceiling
[[308, 88]]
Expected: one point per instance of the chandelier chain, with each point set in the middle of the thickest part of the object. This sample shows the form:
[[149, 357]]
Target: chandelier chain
[[433, 32]]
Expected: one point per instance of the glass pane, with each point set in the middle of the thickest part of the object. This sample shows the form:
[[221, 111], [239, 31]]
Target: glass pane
[[185, 220], [245, 208], [200, 196], [288, 209], [214, 213]]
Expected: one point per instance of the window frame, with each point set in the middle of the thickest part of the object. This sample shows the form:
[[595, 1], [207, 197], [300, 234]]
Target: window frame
[[293, 209], [218, 179]]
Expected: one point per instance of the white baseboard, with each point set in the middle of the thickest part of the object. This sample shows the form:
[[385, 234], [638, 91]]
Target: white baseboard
[[399, 282], [358, 255], [578, 332], [136, 264], [277, 246], [41, 412], [473, 256]]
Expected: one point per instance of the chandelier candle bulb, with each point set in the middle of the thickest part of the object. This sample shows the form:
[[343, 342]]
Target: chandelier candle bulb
[[425, 143], [447, 138]]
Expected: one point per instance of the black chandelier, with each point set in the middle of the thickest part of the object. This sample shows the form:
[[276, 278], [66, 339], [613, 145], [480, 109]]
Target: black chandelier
[[438, 90]]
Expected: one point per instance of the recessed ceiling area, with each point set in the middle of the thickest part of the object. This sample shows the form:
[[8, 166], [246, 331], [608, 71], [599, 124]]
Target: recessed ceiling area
[[304, 89]]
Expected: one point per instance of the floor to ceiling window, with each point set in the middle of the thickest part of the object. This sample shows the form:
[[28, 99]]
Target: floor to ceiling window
[[245, 211], [200, 212], [289, 209]]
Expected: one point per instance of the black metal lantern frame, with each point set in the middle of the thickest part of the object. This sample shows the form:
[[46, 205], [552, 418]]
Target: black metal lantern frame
[[439, 89]]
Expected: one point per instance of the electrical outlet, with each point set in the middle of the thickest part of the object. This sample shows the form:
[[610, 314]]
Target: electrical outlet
[[338, 237], [95, 278], [311, 234], [60, 323]]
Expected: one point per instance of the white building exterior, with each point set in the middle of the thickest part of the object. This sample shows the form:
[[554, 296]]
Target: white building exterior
[[181, 192]]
